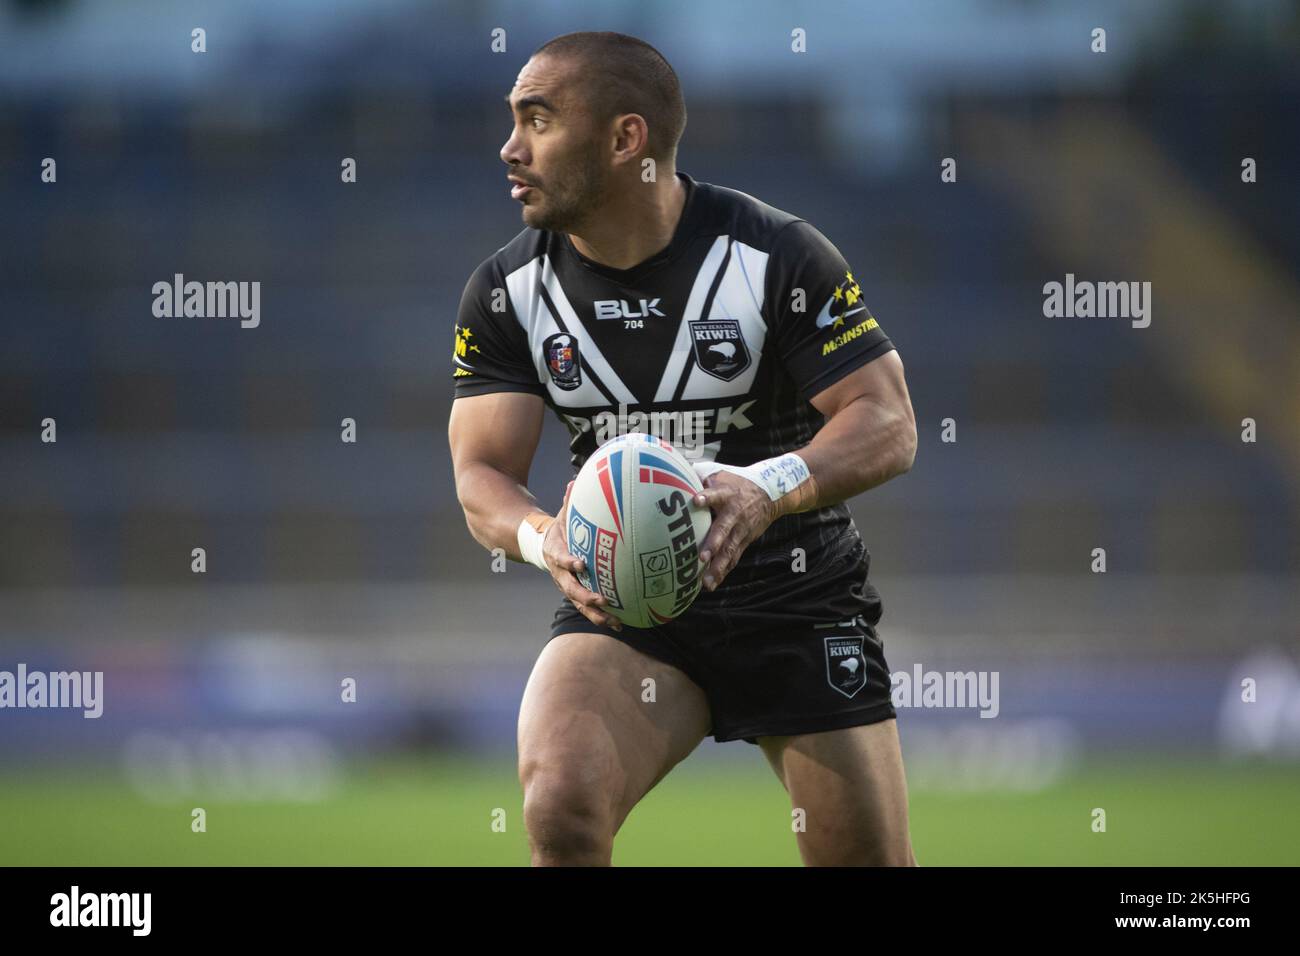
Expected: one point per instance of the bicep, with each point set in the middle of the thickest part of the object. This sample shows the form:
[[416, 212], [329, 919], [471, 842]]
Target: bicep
[[498, 429], [880, 381]]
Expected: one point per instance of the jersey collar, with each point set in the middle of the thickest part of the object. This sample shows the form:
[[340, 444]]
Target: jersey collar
[[681, 238]]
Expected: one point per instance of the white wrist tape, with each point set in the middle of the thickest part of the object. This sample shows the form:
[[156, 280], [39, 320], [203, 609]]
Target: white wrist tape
[[777, 476], [531, 534]]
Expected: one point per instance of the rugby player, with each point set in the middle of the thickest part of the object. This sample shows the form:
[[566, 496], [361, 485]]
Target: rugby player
[[636, 295]]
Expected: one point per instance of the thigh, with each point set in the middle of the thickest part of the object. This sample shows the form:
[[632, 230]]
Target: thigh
[[852, 790], [590, 716]]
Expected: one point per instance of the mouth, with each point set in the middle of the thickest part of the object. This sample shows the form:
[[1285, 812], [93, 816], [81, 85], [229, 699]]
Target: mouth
[[520, 190]]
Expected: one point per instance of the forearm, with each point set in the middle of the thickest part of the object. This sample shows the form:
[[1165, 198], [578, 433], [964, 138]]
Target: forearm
[[863, 445], [494, 504]]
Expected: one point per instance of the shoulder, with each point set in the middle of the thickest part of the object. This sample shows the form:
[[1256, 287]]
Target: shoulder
[[745, 218], [495, 271], [788, 246]]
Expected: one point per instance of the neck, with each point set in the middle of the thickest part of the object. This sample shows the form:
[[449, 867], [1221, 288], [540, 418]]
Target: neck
[[634, 226]]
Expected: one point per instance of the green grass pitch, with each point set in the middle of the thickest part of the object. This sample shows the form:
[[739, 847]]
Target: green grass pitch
[[439, 811]]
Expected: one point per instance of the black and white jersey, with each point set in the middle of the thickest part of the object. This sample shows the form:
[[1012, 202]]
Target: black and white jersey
[[716, 343]]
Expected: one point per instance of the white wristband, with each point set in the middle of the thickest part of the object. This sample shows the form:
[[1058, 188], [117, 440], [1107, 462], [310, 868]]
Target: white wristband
[[530, 539], [777, 476]]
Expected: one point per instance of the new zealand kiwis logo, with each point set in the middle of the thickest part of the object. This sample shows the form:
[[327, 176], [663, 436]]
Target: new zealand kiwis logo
[[720, 348]]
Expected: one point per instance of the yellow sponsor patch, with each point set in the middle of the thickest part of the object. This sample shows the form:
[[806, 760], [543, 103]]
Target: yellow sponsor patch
[[463, 344], [461, 350], [844, 338]]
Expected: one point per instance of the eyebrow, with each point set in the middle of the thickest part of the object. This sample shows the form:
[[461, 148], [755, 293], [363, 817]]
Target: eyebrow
[[533, 100]]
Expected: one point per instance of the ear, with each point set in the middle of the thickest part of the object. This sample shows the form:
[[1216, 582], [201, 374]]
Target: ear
[[631, 135]]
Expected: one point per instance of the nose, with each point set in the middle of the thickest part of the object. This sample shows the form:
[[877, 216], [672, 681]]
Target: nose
[[513, 152]]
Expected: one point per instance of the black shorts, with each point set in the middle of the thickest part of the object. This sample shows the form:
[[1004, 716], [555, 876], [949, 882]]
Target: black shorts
[[776, 651]]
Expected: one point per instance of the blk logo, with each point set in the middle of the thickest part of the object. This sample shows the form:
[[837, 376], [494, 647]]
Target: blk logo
[[619, 309]]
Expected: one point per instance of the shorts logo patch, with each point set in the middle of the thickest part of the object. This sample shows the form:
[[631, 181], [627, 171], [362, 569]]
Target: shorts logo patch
[[720, 348], [561, 353], [846, 667]]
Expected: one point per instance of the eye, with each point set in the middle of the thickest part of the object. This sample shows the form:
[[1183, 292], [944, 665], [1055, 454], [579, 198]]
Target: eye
[[534, 120]]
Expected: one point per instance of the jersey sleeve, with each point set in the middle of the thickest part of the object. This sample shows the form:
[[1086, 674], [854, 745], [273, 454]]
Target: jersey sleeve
[[490, 348], [834, 333]]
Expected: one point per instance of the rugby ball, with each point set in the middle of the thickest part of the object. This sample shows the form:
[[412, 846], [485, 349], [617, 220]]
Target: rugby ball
[[632, 520]]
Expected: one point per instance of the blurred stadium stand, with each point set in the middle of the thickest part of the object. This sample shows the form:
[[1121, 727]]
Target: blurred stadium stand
[[1072, 434]]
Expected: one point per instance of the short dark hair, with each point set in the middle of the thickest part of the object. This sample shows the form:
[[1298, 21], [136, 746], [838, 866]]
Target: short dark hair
[[621, 74]]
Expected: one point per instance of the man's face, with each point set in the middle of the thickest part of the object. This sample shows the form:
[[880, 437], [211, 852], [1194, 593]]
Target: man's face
[[554, 148]]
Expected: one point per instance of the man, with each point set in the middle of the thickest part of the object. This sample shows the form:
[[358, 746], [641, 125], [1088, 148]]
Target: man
[[635, 289]]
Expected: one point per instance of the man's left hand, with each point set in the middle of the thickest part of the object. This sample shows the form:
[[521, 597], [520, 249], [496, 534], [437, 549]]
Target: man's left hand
[[741, 512]]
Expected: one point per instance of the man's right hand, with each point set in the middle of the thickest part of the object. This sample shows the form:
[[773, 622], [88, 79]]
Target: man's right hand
[[565, 566]]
